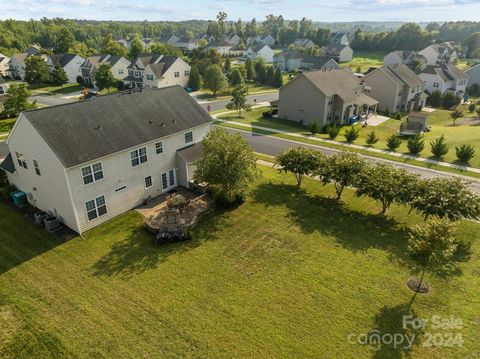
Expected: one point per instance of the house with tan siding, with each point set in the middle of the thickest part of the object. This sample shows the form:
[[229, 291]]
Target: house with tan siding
[[4, 65], [118, 66], [324, 96], [87, 162]]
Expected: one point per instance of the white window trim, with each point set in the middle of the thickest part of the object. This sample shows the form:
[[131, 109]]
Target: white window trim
[[145, 182], [137, 150], [163, 148], [35, 168], [91, 168], [185, 137], [96, 208]]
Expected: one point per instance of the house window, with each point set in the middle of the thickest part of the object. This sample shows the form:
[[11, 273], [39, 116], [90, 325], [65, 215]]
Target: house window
[[120, 71], [150, 77], [176, 74], [37, 169], [92, 173], [148, 182], [96, 208], [187, 72], [21, 160], [130, 72], [138, 156], [164, 181], [159, 148], [171, 178], [189, 137], [436, 84]]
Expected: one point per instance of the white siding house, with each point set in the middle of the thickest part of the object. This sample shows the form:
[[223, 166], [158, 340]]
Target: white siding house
[[438, 54], [70, 63], [260, 51], [87, 162], [444, 78], [474, 74], [4, 65]]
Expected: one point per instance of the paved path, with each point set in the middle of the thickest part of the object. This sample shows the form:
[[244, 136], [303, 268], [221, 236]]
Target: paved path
[[273, 146]]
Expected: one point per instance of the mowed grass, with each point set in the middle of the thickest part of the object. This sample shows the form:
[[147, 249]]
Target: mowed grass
[[291, 273], [365, 60], [440, 123], [57, 90], [7, 125]]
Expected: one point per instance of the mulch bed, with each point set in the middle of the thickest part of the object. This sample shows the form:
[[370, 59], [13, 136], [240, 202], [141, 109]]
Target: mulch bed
[[414, 284]]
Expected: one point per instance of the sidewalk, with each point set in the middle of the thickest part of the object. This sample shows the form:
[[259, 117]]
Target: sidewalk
[[346, 145]]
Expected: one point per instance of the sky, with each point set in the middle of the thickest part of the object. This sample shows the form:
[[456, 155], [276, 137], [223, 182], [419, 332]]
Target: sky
[[317, 10]]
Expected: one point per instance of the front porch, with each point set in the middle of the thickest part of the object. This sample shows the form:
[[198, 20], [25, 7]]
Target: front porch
[[361, 109]]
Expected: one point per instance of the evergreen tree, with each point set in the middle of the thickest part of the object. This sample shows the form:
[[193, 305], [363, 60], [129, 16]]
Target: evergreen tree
[[195, 80], [250, 70], [236, 78], [59, 76], [269, 76], [278, 78], [16, 100]]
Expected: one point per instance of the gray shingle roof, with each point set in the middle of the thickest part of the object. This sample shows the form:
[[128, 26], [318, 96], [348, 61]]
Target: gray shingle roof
[[7, 164], [84, 131], [447, 72], [404, 74], [62, 59], [192, 152]]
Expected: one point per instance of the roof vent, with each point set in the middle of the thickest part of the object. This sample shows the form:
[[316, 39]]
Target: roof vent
[[174, 120], [150, 122], [162, 124], [98, 128]]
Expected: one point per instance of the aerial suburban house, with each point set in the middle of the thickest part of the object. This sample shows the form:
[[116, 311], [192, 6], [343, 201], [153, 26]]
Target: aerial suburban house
[[438, 54], [396, 88], [260, 51], [4, 65], [474, 74], [155, 70], [338, 38], [296, 60], [17, 62], [237, 51], [119, 67], [125, 43], [70, 63], [445, 78], [3, 89], [303, 43], [340, 53], [261, 39], [232, 39], [399, 58], [187, 43], [222, 47], [325, 96], [147, 42], [172, 40], [87, 162]]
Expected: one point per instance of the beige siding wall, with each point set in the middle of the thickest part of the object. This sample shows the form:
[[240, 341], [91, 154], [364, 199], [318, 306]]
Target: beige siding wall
[[119, 70], [49, 191], [123, 185], [169, 78], [384, 90], [299, 101]]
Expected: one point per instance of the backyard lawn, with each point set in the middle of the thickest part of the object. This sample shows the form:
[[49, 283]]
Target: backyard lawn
[[6, 125], [365, 59], [57, 90], [291, 273], [439, 120]]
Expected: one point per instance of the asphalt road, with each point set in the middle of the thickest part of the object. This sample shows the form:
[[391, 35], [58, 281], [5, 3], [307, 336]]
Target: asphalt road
[[221, 104], [273, 147]]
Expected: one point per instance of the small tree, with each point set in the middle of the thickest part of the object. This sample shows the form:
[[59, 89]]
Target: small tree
[[239, 100], [445, 197], [227, 65], [371, 138], [228, 165], [449, 100], [351, 134], [465, 152], [333, 131], [342, 170], [435, 99], [438, 147], [300, 161], [471, 107], [104, 78], [269, 76], [456, 114], [386, 184], [236, 78], [250, 70], [214, 79], [194, 80], [136, 48], [16, 100], [36, 70], [59, 76], [278, 78], [416, 144], [393, 142], [313, 127], [432, 245]]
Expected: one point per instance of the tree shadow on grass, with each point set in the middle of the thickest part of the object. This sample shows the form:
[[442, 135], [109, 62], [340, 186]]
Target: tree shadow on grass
[[138, 252], [390, 338], [357, 231]]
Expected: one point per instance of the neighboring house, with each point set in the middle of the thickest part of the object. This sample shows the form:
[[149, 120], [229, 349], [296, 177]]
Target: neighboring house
[[237, 51], [172, 40], [474, 75], [232, 39], [70, 63], [208, 38], [147, 42], [3, 86], [87, 162], [396, 88], [222, 47], [119, 67], [33, 49], [296, 60], [4, 65], [125, 43], [260, 51], [445, 78], [338, 38], [17, 66], [303, 43], [261, 39], [399, 58], [340, 53], [154, 71], [187, 43], [438, 54], [325, 96]]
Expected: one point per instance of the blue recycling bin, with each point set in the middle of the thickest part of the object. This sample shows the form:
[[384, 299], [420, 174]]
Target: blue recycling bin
[[19, 198]]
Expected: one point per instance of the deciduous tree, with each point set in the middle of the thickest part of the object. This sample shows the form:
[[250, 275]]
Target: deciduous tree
[[214, 79], [300, 161]]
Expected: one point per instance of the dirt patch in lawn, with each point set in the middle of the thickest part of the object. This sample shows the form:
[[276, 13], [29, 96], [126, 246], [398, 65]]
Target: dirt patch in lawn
[[468, 121]]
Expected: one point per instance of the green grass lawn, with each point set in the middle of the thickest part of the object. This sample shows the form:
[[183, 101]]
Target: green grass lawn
[[57, 90], [7, 125], [291, 273], [365, 60], [226, 93], [439, 120]]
